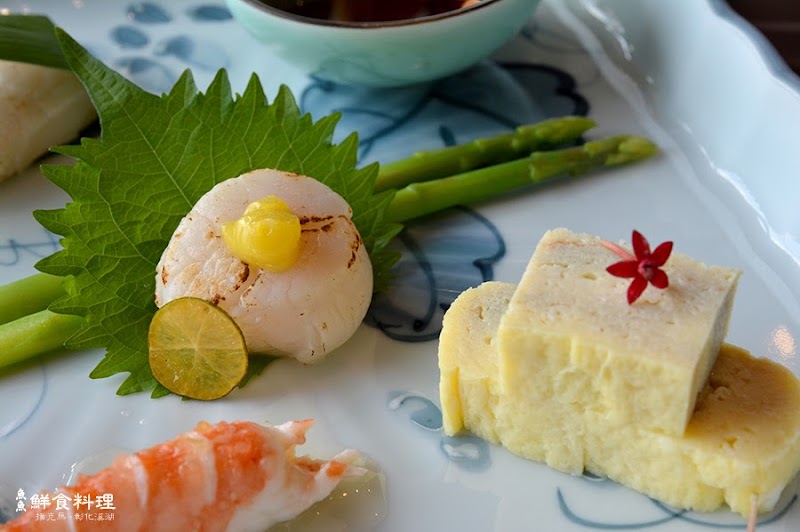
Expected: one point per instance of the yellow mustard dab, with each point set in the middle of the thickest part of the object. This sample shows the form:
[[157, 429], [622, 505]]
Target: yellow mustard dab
[[267, 235]]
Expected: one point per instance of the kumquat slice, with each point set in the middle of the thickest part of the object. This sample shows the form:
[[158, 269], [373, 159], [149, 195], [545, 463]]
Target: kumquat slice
[[196, 350]]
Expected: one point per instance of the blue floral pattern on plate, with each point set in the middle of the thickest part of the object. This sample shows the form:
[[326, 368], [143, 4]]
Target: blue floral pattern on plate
[[466, 451], [12, 251], [146, 67], [440, 258], [665, 514]]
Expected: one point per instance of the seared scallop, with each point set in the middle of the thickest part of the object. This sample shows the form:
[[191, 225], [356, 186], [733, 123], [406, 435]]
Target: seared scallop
[[305, 311]]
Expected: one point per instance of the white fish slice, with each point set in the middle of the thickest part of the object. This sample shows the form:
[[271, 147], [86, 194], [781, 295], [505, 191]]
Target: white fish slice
[[40, 107]]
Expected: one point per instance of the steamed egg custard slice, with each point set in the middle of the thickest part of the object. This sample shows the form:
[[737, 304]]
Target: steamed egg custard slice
[[279, 253]]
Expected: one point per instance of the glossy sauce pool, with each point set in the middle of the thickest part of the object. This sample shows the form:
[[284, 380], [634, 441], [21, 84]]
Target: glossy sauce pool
[[358, 503]]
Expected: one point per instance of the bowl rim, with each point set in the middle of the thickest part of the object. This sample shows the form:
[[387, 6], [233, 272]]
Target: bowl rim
[[269, 10]]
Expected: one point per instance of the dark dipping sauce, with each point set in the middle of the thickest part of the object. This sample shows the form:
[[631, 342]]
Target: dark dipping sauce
[[365, 10]]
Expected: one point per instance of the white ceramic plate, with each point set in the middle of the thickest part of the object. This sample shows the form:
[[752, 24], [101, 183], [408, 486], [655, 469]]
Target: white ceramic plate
[[690, 75]]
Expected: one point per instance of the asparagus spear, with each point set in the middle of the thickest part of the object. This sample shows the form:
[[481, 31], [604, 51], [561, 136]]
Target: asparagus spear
[[34, 335], [419, 199], [428, 165], [28, 295]]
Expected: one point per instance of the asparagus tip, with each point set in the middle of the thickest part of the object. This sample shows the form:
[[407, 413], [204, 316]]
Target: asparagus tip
[[638, 147]]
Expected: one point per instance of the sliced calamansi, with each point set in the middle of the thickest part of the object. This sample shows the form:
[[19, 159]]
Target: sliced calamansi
[[196, 349]]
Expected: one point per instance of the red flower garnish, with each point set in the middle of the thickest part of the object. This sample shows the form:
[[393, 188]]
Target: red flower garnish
[[644, 267]]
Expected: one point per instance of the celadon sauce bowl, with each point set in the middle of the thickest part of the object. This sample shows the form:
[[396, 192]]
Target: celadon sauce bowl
[[386, 54]]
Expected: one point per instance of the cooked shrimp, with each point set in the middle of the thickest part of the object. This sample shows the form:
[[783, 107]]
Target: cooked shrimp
[[305, 311], [228, 476]]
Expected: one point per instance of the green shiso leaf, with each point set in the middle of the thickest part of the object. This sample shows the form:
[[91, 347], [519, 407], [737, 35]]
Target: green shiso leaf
[[157, 156], [30, 39]]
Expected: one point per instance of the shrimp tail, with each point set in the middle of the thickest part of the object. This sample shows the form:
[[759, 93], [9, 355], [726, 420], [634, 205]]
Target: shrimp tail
[[295, 431]]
